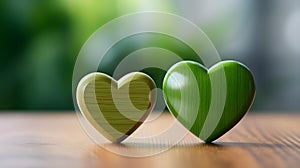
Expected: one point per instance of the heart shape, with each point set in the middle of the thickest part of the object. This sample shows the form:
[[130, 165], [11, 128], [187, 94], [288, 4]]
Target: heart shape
[[209, 102], [116, 108]]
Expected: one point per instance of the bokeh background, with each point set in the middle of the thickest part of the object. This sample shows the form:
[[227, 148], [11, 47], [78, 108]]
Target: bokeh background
[[40, 41]]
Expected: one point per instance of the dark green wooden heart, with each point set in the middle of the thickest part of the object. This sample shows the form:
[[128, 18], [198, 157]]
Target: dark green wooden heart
[[209, 102], [116, 108]]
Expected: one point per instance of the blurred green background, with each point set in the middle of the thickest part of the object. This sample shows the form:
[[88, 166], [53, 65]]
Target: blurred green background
[[40, 41]]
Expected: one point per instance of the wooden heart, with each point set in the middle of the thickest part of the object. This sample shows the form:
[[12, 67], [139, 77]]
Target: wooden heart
[[116, 108], [209, 102]]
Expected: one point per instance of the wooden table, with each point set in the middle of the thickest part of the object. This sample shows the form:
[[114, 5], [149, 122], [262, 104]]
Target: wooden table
[[57, 140]]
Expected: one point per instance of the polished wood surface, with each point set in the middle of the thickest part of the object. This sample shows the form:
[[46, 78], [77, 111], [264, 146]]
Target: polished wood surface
[[57, 140]]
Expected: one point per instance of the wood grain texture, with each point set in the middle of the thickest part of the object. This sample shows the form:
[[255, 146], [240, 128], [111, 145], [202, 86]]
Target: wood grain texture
[[116, 108], [57, 140], [209, 102]]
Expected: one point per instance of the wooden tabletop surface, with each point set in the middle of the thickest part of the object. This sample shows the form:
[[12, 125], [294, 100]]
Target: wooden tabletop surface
[[57, 140]]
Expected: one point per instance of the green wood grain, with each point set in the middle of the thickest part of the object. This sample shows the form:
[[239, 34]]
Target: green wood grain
[[116, 109], [209, 102]]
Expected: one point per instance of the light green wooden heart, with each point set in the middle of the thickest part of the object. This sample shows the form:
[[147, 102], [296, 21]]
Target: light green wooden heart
[[116, 108], [209, 102]]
